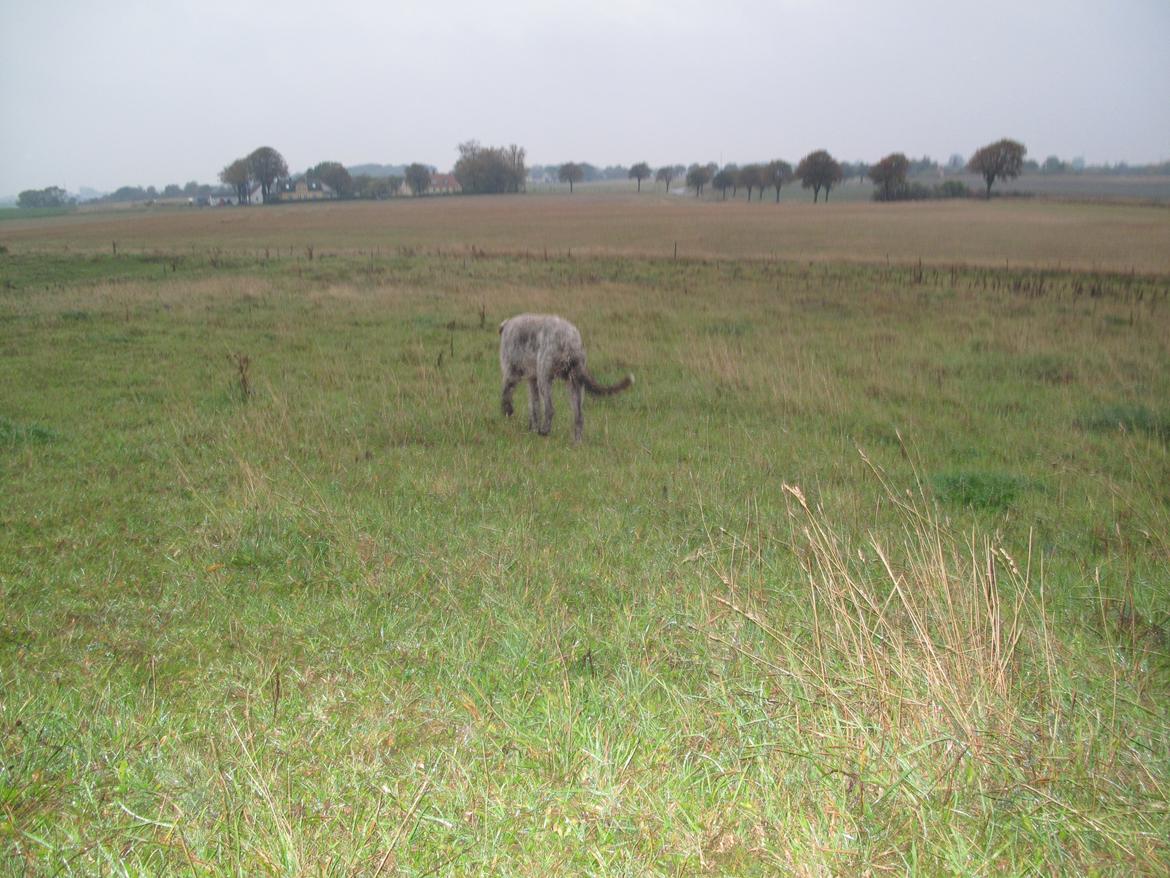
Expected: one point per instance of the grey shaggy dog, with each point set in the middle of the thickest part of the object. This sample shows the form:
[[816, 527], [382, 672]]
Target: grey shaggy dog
[[541, 348]]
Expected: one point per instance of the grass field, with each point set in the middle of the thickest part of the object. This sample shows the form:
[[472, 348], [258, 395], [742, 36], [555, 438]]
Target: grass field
[[1117, 238], [868, 573]]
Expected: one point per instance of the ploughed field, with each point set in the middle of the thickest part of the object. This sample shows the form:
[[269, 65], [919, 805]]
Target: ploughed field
[[869, 570]]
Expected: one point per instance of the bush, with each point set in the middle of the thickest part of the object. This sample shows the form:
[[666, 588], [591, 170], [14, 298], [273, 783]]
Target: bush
[[953, 189], [923, 192]]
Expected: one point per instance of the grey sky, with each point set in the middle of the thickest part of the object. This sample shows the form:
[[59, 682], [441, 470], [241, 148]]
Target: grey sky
[[106, 94]]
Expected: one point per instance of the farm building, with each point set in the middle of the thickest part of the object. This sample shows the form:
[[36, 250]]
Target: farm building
[[445, 184], [302, 190]]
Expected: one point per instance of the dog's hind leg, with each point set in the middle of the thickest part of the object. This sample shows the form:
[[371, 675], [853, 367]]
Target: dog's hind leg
[[533, 405], [544, 388], [510, 383], [575, 393]]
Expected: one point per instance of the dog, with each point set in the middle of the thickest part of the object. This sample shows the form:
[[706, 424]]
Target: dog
[[542, 348]]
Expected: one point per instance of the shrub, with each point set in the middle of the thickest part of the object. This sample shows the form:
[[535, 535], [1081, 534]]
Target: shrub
[[921, 192]]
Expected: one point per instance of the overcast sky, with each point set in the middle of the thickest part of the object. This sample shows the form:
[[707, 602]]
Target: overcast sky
[[105, 94]]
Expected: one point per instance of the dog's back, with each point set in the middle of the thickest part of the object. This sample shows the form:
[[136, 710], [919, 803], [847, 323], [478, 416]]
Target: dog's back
[[541, 348], [531, 342]]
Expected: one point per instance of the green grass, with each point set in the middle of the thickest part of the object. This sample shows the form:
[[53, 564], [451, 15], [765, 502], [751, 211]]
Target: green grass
[[860, 575], [10, 213]]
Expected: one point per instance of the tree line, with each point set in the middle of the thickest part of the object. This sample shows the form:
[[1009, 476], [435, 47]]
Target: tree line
[[487, 169]]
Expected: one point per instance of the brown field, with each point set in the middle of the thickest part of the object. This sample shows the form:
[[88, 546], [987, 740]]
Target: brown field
[[1106, 237]]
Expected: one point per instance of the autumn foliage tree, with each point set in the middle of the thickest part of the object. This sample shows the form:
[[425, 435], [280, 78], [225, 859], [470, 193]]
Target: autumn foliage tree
[[889, 175], [1002, 160], [819, 170], [236, 176]]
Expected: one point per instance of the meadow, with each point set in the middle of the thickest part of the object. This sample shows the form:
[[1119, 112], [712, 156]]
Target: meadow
[[869, 572]]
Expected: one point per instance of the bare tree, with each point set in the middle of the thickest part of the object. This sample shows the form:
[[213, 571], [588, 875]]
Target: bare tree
[[418, 178], [492, 169]]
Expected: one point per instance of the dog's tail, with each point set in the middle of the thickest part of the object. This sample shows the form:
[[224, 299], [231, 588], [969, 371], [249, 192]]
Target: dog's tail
[[589, 383]]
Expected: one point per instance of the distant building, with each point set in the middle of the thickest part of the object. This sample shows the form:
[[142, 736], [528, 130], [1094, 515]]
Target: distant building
[[303, 189], [445, 184]]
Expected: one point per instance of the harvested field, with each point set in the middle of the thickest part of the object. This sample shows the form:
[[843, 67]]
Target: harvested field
[[1118, 238]]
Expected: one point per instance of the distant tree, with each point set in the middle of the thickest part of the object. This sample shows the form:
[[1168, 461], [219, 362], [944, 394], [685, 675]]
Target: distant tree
[[482, 170], [236, 176], [418, 178], [752, 177], [367, 186], [889, 175], [723, 180], [335, 176], [665, 175], [53, 196], [1053, 165], [640, 172], [776, 174], [733, 169], [819, 170], [172, 190], [266, 166], [515, 156], [191, 188], [923, 165], [1002, 160], [127, 193], [571, 172], [956, 162], [698, 176]]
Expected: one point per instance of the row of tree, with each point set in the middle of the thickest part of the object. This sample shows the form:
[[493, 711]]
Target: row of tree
[[481, 170], [819, 171], [1002, 160]]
